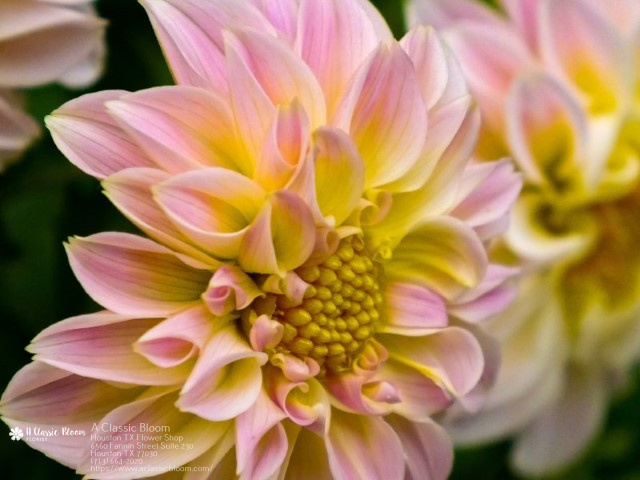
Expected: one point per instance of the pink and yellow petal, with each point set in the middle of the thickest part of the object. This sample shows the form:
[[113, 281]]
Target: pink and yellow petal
[[281, 238], [131, 191], [336, 157], [226, 380], [451, 357], [134, 276], [413, 310], [280, 74], [285, 147], [330, 27], [261, 441], [100, 346], [443, 254], [91, 139], [177, 339], [547, 130], [360, 446], [384, 113], [181, 128], [230, 289], [213, 207]]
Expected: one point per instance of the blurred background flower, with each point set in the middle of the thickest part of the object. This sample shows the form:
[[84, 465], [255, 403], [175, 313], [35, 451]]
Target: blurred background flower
[[43, 41], [557, 82]]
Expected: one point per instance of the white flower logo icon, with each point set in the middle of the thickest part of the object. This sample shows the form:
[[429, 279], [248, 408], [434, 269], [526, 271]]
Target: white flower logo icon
[[16, 433]]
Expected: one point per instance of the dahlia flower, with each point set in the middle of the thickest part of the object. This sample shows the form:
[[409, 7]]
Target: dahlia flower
[[42, 41], [317, 255], [558, 83]]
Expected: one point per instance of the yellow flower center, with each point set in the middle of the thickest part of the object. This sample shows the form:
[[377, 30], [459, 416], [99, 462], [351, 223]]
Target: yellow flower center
[[613, 266], [340, 311], [608, 274]]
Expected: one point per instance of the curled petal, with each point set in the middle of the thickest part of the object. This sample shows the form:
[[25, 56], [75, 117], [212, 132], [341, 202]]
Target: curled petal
[[304, 402], [212, 206], [290, 285], [131, 191], [285, 147], [358, 394], [546, 129], [442, 254], [294, 368], [370, 359], [419, 396], [176, 339], [226, 380], [134, 276], [265, 333], [336, 158], [230, 289], [281, 237], [261, 441], [451, 357], [529, 234], [327, 240]]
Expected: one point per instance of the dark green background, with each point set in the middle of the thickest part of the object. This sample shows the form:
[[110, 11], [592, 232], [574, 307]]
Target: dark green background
[[44, 200]]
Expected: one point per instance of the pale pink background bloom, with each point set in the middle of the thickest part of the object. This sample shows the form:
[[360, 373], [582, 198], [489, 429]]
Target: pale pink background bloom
[[558, 83], [43, 41], [317, 266]]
